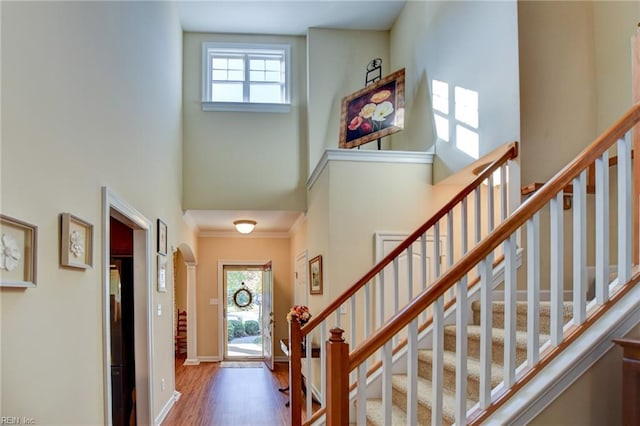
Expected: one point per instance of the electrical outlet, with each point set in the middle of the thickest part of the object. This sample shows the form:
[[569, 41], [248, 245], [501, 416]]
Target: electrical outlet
[[163, 385]]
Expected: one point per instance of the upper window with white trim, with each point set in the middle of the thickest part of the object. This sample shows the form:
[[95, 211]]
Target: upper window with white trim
[[245, 77]]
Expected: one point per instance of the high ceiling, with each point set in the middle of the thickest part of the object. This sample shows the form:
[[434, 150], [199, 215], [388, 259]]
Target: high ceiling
[[284, 17]]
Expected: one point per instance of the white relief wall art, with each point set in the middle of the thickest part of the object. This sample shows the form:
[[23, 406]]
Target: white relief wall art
[[17, 253], [76, 242]]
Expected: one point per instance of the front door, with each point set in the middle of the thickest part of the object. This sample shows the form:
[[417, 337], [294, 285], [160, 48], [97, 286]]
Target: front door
[[244, 311], [267, 317]]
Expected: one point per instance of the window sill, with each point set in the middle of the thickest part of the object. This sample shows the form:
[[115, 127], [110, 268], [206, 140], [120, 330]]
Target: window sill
[[245, 107]]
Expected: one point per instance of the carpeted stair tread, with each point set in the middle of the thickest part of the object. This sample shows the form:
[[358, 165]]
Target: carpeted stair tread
[[473, 365], [498, 310], [400, 383], [375, 414]]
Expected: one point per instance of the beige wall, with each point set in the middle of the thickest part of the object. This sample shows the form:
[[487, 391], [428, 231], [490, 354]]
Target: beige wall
[[243, 160], [211, 250], [595, 398], [91, 97], [337, 65], [470, 44]]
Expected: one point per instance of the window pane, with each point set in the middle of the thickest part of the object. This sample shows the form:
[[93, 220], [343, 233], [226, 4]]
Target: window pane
[[219, 63], [226, 92], [236, 75], [273, 76], [256, 64], [273, 65], [261, 93], [219, 75], [257, 75], [236, 64]]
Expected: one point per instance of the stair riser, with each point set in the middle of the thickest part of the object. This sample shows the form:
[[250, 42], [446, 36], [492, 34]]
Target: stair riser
[[473, 349], [425, 370], [399, 398]]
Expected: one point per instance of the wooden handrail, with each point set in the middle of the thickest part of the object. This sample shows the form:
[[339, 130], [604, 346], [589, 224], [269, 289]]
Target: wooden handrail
[[510, 152], [537, 201]]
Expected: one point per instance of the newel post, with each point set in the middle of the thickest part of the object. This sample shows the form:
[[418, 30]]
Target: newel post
[[295, 372], [337, 379]]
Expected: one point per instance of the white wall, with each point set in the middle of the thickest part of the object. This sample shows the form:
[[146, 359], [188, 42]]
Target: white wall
[[91, 97], [470, 44], [337, 66], [243, 160]]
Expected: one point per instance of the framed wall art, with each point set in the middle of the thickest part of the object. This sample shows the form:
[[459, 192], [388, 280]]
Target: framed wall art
[[315, 275], [373, 112], [162, 273], [76, 242], [18, 252], [162, 237]]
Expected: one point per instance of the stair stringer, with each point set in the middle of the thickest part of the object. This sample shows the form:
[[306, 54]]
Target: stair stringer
[[399, 360], [570, 364]]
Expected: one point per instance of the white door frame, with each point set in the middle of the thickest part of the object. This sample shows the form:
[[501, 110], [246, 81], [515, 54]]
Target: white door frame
[[113, 205], [222, 299]]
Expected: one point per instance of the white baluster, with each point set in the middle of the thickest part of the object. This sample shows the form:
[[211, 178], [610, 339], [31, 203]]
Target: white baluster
[[381, 298], [309, 395], [396, 296], [423, 267], [510, 313], [367, 310], [323, 363], [449, 247], [503, 192], [412, 373], [476, 213], [533, 290], [462, 320], [410, 272], [580, 248], [464, 219], [602, 228], [490, 204], [338, 321], [437, 382], [387, 374], [352, 337], [436, 250], [486, 341], [362, 394], [557, 267], [625, 229]]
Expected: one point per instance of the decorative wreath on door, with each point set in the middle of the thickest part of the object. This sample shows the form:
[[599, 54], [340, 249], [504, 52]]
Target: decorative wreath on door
[[243, 298]]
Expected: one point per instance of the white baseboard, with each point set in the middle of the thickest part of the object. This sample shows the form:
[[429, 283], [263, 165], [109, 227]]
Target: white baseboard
[[190, 361], [167, 407], [281, 358], [209, 359]]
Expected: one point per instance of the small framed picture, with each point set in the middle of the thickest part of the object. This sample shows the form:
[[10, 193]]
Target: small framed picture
[[76, 242], [18, 251], [315, 275], [162, 273], [162, 237]]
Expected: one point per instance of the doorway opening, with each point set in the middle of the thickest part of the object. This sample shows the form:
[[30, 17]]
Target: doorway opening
[[243, 312]]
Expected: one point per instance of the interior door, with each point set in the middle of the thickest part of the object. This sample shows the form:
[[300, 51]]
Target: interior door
[[267, 315]]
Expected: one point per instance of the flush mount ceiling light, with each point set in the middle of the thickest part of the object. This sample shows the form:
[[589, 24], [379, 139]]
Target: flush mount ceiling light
[[244, 226]]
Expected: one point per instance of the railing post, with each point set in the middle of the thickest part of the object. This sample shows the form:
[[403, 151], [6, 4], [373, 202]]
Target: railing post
[[337, 379], [295, 372]]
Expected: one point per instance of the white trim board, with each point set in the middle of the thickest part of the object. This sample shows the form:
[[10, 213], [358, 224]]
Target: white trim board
[[167, 407], [370, 156]]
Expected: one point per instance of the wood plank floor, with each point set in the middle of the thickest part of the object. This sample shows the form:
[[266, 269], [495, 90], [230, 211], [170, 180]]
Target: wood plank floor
[[212, 395]]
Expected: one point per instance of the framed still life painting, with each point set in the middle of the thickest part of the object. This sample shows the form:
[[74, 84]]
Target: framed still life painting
[[373, 112]]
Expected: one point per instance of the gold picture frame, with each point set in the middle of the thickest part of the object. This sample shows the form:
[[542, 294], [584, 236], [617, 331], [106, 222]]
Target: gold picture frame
[[373, 112], [18, 245], [76, 242], [315, 275]]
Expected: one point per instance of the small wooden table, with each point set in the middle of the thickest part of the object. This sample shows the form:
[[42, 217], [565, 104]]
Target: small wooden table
[[315, 353]]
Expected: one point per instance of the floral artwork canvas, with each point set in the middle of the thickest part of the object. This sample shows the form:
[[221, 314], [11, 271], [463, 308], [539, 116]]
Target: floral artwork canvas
[[373, 112]]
